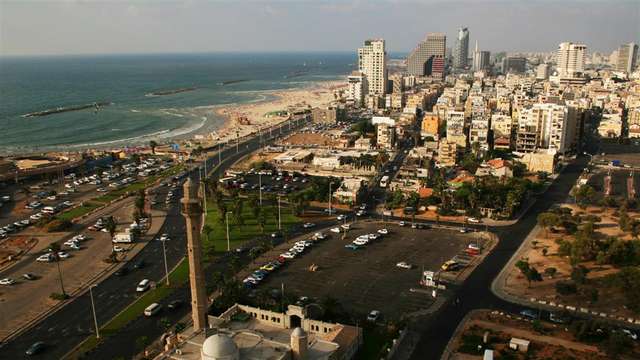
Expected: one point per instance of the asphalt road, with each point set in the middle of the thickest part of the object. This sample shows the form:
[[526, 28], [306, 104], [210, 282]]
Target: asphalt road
[[68, 326], [475, 292]]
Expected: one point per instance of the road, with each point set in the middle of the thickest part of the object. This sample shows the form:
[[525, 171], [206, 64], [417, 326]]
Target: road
[[475, 292], [71, 324]]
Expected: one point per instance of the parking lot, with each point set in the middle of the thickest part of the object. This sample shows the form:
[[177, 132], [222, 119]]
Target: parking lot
[[368, 278]]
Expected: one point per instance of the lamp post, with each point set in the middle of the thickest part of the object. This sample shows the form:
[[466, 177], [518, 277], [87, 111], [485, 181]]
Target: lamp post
[[164, 254], [279, 222], [93, 310], [227, 221], [260, 186]]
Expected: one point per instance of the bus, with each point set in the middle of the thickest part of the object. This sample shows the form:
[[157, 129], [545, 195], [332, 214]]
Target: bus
[[384, 181]]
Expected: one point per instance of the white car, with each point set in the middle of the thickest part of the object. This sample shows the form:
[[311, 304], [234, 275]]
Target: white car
[[404, 265], [119, 249], [383, 231], [308, 225], [402, 223], [7, 281], [80, 237], [71, 242], [360, 213], [74, 246], [345, 226], [63, 255], [340, 217], [373, 316], [44, 258], [36, 217], [335, 230], [361, 242], [143, 285], [463, 230], [474, 220], [288, 255], [373, 236], [319, 236], [164, 237]]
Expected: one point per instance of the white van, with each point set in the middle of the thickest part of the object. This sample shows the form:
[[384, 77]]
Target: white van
[[143, 286], [152, 309]]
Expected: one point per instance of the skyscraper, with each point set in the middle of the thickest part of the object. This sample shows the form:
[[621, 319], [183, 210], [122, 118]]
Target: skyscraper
[[372, 62], [627, 54], [570, 60], [428, 57], [461, 49], [481, 59]]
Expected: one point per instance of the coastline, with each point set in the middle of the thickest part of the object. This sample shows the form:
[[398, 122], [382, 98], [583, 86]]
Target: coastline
[[218, 123]]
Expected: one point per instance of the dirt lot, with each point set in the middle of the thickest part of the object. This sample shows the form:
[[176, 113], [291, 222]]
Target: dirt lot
[[553, 343], [367, 279], [309, 139]]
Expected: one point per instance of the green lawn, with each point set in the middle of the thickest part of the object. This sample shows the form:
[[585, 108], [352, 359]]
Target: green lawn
[[217, 238], [79, 211]]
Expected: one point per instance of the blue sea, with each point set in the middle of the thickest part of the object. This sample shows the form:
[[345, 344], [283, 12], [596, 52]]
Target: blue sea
[[29, 84]]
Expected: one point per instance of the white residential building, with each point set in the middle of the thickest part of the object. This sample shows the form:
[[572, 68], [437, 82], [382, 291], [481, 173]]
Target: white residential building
[[357, 88], [570, 60], [545, 127], [372, 62]]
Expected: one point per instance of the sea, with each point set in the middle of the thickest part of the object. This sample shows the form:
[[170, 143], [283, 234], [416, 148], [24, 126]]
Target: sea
[[31, 84]]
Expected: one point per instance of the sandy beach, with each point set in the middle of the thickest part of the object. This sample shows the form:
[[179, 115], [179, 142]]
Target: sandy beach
[[246, 119]]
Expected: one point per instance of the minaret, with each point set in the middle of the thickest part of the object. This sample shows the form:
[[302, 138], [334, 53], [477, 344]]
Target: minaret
[[192, 212]]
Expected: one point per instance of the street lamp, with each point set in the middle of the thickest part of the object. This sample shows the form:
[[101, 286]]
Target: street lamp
[[93, 310], [260, 185], [164, 254], [226, 216], [279, 222]]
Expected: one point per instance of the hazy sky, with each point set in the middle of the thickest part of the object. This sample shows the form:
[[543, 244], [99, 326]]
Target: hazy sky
[[110, 26]]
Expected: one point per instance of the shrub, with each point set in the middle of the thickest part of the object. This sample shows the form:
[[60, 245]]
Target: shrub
[[550, 271], [58, 225], [58, 296]]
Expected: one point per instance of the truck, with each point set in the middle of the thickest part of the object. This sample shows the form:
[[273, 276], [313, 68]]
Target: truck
[[123, 237]]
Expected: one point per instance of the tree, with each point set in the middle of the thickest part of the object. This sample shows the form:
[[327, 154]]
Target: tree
[[206, 230], [550, 271], [583, 195], [579, 274], [153, 144], [55, 250], [530, 273], [139, 204], [547, 220], [624, 221]]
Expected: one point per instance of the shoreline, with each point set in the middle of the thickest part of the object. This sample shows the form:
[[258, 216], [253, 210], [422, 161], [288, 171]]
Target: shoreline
[[219, 124]]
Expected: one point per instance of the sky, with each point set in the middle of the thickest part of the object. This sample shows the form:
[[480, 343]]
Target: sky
[[29, 27]]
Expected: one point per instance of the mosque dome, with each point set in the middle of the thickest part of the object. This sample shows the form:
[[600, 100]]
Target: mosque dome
[[220, 347]]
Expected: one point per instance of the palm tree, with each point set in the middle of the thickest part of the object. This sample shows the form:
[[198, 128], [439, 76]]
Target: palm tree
[[153, 145], [206, 230], [55, 249], [110, 225]]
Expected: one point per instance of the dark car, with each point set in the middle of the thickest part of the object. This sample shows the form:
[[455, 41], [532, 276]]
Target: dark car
[[529, 314], [139, 264], [122, 271], [174, 304], [36, 348]]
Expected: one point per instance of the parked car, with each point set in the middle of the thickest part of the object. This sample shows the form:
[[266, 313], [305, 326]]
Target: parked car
[[352, 246], [473, 220], [45, 258], [308, 225], [117, 248], [529, 314], [404, 265], [7, 281], [335, 230], [152, 309], [29, 276], [383, 231]]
